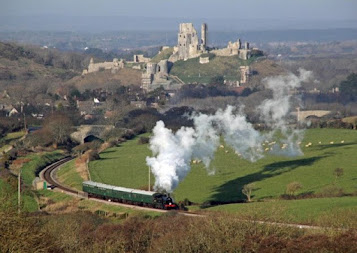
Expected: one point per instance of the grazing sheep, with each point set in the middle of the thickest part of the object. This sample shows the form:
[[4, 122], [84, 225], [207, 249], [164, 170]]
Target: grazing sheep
[[266, 149], [226, 151], [319, 142], [342, 141], [221, 146], [331, 142]]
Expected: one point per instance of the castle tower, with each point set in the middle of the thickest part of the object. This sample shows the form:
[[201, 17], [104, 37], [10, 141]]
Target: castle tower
[[204, 30], [187, 41]]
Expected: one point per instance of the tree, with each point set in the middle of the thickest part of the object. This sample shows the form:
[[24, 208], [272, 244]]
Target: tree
[[293, 187], [59, 126], [338, 172], [248, 190], [349, 86], [217, 80]]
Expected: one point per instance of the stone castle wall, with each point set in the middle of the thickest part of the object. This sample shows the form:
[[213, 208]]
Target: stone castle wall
[[114, 66]]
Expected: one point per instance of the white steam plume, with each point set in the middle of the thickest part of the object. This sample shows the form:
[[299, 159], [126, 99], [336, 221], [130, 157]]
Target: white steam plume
[[274, 111], [173, 152]]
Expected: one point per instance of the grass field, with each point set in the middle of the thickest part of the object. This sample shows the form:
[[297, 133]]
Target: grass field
[[192, 71], [125, 166], [338, 212]]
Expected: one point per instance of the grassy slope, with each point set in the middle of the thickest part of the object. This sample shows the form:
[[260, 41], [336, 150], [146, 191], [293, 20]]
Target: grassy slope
[[37, 161], [28, 175], [164, 55], [190, 70], [325, 211], [125, 166], [68, 175]]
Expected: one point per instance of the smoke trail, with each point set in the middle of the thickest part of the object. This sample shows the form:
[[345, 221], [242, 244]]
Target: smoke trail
[[173, 151], [173, 155], [274, 112]]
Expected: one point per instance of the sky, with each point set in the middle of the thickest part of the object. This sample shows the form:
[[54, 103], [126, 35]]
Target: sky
[[294, 12]]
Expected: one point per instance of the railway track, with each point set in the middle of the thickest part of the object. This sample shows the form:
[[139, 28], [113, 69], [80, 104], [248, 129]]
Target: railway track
[[48, 174]]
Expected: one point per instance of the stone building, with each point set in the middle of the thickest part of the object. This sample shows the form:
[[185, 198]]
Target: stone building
[[234, 48], [114, 66], [139, 58], [189, 45], [244, 74], [156, 74]]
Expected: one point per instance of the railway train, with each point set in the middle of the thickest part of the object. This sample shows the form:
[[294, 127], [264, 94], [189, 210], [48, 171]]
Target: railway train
[[129, 196]]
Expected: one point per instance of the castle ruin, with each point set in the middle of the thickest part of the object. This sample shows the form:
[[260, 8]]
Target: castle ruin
[[189, 46], [155, 75], [114, 66]]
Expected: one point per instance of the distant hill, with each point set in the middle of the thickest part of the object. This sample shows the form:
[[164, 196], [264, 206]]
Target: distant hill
[[28, 71]]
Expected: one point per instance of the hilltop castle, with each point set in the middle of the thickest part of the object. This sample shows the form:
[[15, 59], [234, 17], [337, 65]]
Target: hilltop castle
[[189, 46]]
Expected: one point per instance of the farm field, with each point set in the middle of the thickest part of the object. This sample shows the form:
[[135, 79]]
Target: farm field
[[125, 166]]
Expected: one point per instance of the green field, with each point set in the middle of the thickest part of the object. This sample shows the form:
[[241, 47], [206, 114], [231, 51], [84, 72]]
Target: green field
[[192, 71], [122, 166], [334, 212], [125, 166]]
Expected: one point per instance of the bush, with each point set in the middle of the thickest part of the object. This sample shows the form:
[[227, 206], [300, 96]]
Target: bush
[[93, 155], [143, 140], [331, 191]]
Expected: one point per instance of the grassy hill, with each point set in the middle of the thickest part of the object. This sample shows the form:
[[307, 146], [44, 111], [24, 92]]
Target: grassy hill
[[105, 79], [125, 166], [192, 71], [163, 55]]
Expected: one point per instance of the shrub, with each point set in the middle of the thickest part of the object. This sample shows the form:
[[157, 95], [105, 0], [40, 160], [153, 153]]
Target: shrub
[[331, 191], [143, 140], [93, 155], [293, 187]]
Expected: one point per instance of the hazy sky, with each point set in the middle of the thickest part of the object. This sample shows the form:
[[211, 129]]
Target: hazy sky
[[281, 13], [264, 9]]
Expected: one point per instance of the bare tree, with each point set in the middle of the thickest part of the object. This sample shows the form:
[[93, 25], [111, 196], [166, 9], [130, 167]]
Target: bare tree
[[338, 172], [293, 187], [248, 190], [59, 126]]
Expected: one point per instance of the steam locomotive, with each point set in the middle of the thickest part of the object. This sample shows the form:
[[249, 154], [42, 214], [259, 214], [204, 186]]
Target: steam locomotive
[[129, 196]]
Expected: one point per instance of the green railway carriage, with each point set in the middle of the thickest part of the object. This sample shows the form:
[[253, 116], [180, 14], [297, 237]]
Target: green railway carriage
[[127, 195]]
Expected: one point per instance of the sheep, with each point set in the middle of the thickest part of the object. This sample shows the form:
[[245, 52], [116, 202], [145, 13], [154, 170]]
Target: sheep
[[342, 141], [221, 146], [226, 151], [331, 142]]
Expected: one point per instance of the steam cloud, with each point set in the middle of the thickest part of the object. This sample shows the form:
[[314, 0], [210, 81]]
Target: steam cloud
[[173, 152]]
